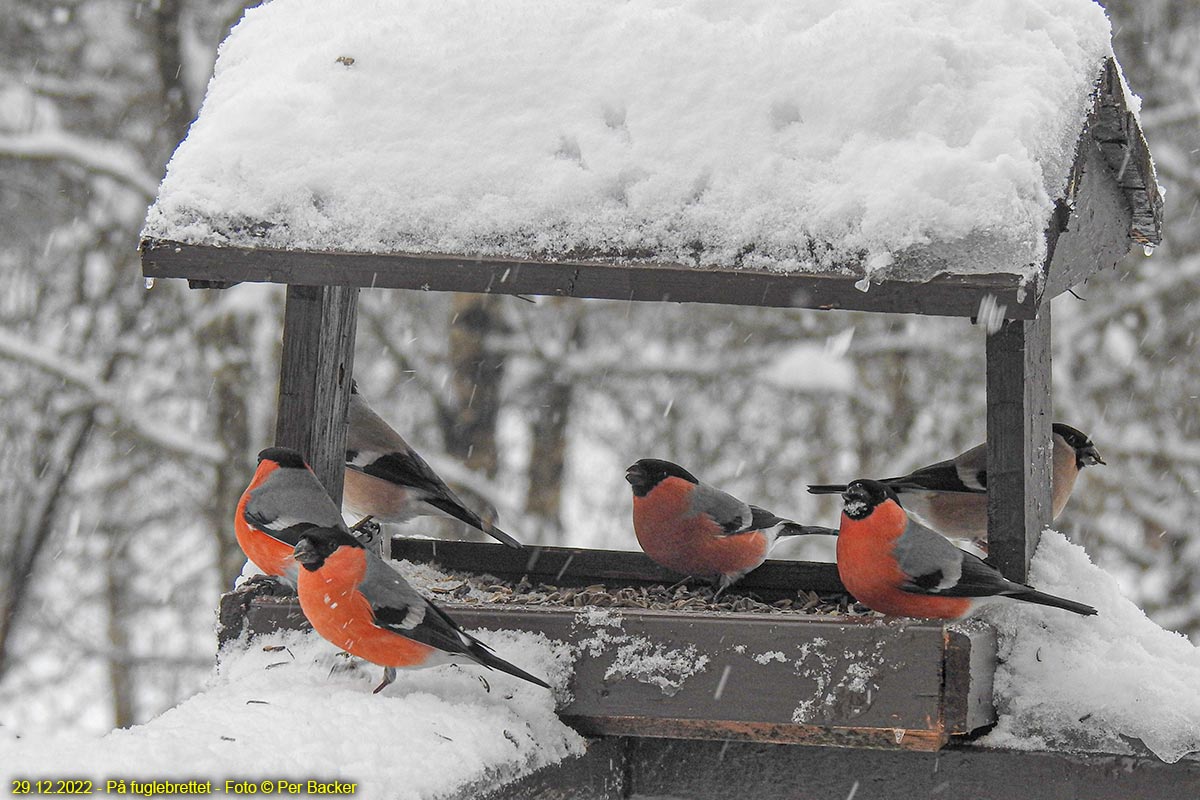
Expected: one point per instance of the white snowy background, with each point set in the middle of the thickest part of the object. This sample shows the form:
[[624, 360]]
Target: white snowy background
[[130, 417]]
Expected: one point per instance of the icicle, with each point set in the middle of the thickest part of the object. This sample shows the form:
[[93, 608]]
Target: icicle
[[149, 284]]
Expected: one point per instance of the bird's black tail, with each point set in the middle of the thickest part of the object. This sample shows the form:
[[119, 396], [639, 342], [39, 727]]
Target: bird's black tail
[[826, 488], [796, 529], [466, 515], [1043, 599], [480, 652]]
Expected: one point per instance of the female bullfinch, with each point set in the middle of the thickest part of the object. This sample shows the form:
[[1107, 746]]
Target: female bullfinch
[[388, 481], [951, 496]]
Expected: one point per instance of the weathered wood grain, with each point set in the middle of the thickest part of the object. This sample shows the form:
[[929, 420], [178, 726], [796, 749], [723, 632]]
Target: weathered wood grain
[[319, 326], [1018, 441]]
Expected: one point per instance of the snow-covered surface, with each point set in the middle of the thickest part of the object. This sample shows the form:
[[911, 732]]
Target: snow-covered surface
[[760, 133], [273, 715], [1088, 683]]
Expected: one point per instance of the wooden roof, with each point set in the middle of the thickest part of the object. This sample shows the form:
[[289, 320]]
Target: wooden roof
[[1112, 203]]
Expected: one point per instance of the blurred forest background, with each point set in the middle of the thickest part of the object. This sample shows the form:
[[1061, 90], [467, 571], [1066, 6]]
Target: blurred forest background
[[130, 416]]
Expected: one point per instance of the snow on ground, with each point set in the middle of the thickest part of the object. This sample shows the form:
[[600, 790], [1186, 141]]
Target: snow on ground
[[769, 134], [272, 715], [1066, 682]]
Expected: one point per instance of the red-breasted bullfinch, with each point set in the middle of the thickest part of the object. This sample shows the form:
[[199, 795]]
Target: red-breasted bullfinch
[[388, 481], [697, 530], [897, 566], [283, 500], [359, 603], [951, 496]]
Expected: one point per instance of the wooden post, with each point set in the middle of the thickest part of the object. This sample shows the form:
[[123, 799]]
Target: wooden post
[[1018, 441], [314, 381]]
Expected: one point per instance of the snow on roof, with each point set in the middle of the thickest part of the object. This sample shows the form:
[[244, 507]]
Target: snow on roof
[[762, 133], [431, 733], [1086, 683]]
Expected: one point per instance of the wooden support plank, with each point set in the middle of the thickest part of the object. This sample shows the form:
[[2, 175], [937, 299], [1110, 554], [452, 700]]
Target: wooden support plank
[[797, 679], [716, 771], [599, 774], [314, 383], [945, 295], [1018, 441], [580, 566]]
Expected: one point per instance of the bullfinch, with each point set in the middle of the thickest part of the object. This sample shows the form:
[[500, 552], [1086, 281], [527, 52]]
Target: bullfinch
[[951, 496], [388, 481], [359, 603], [283, 500], [697, 530], [897, 566]]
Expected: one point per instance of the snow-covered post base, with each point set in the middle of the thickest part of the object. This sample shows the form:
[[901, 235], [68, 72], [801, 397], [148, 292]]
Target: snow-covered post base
[[1018, 441], [314, 383]]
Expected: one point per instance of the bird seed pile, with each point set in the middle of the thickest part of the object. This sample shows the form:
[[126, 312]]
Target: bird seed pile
[[470, 589]]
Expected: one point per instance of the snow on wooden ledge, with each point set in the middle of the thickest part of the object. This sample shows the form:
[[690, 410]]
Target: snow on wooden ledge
[[882, 138]]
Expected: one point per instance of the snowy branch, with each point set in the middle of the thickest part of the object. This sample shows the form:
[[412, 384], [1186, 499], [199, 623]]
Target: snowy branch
[[125, 417], [97, 156]]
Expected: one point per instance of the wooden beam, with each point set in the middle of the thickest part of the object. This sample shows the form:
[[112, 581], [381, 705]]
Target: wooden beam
[[944, 295], [314, 382], [794, 678], [598, 774], [1018, 441], [720, 770]]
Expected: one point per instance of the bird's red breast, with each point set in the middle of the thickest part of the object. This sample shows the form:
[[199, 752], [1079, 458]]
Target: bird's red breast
[[672, 534], [266, 552], [872, 574], [331, 600]]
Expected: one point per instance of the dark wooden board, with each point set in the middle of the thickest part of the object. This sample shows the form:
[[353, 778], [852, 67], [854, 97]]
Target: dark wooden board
[[1114, 128], [1019, 410], [576, 566], [1094, 234], [599, 774], [717, 771], [762, 677], [319, 326], [946, 295]]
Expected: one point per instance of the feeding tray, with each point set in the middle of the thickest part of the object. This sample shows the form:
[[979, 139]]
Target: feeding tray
[[786, 677]]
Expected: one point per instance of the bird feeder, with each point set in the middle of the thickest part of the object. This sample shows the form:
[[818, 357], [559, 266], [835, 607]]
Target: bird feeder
[[223, 218]]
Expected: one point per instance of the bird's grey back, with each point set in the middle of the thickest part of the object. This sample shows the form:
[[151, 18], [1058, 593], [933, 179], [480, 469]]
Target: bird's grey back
[[368, 432], [922, 552], [729, 512], [294, 494], [384, 587]]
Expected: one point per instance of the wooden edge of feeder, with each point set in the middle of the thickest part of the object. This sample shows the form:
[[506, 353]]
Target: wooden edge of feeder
[[578, 566], [763, 732], [208, 266], [1112, 200], [787, 678]]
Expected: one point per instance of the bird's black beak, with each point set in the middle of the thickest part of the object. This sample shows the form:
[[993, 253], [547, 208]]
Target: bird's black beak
[[306, 553], [1090, 455], [632, 474], [856, 501], [854, 493]]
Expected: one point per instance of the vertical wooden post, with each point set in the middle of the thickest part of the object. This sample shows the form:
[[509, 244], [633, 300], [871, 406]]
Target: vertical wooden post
[[1018, 441], [314, 382]]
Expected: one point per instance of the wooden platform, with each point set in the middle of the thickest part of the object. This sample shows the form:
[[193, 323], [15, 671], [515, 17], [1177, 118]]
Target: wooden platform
[[828, 679]]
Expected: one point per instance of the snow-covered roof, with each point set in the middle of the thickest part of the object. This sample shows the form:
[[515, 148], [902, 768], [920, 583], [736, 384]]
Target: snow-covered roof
[[786, 136]]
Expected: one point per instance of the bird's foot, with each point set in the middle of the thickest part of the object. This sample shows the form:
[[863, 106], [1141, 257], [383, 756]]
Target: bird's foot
[[389, 675]]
